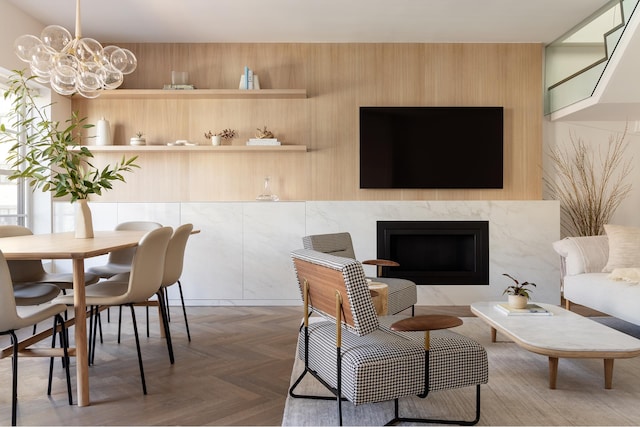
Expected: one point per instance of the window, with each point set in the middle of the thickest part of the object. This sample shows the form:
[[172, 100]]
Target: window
[[13, 205]]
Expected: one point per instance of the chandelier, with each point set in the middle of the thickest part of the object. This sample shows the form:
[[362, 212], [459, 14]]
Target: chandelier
[[74, 64]]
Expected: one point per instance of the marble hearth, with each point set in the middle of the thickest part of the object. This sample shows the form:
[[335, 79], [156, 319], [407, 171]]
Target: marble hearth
[[241, 255]]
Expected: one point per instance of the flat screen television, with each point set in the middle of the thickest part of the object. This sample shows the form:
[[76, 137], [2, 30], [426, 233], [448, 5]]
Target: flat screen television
[[431, 147]]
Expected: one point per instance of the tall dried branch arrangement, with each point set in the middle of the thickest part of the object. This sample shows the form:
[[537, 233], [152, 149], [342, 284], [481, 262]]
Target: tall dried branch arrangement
[[590, 185]]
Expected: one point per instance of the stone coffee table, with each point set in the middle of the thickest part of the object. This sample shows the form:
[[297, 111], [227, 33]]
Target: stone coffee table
[[562, 334]]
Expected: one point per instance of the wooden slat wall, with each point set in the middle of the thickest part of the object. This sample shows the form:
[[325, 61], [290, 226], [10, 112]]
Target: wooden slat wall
[[339, 78]]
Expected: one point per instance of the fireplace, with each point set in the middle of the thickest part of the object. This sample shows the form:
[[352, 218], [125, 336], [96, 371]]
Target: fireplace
[[436, 252]]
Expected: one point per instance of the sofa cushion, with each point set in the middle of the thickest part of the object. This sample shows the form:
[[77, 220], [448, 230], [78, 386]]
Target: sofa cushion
[[624, 247], [585, 254]]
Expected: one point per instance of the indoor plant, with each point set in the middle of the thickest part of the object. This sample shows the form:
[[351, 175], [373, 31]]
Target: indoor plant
[[218, 136], [49, 155], [139, 139], [518, 292]]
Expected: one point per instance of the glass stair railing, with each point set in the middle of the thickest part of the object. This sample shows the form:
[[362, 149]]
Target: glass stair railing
[[575, 62]]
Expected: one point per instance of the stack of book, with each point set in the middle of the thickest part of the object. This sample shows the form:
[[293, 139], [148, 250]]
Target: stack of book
[[529, 310], [263, 141]]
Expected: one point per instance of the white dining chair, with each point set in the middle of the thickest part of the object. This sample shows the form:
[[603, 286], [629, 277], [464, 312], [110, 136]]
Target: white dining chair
[[144, 281], [29, 313]]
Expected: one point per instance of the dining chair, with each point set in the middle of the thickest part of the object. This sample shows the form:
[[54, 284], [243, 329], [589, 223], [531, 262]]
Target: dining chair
[[144, 281], [120, 261], [173, 265], [14, 317]]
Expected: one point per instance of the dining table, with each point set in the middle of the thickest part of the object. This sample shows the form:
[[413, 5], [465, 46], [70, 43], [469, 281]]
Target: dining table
[[66, 246]]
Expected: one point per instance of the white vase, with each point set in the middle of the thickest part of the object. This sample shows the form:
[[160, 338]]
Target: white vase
[[103, 132], [216, 140], [518, 301], [84, 223]]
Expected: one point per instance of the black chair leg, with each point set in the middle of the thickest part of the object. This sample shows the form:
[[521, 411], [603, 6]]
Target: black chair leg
[[167, 331], [166, 301], [14, 369], [147, 321], [119, 322], [184, 311], [135, 332]]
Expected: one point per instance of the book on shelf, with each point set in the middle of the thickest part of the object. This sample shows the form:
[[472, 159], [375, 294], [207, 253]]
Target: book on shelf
[[529, 310], [263, 141]]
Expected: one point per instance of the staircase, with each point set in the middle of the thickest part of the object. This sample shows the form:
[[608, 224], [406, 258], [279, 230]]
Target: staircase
[[579, 64]]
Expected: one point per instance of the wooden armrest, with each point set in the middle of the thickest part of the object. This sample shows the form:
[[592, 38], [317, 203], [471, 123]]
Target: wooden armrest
[[381, 262], [427, 322]]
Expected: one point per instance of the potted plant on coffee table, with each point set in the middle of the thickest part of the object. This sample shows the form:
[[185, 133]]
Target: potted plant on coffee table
[[49, 155], [518, 292]]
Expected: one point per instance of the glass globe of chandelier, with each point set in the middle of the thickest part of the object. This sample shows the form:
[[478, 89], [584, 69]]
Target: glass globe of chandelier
[[74, 64]]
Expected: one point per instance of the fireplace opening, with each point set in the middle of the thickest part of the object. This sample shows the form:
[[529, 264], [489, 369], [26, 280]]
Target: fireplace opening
[[436, 252]]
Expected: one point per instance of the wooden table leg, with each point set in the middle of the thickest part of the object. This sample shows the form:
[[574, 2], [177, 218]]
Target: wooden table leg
[[82, 357], [608, 373], [494, 334], [553, 372]]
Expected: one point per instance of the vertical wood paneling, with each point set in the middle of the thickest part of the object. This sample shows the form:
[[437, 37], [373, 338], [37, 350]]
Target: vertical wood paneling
[[339, 78]]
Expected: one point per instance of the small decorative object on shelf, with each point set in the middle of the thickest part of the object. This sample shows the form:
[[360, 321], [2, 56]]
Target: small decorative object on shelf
[[267, 195], [518, 293], [216, 138], [249, 80], [263, 137], [103, 132], [179, 80], [139, 139]]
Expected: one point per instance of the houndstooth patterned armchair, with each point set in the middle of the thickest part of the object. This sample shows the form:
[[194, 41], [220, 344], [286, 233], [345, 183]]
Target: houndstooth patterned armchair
[[364, 360]]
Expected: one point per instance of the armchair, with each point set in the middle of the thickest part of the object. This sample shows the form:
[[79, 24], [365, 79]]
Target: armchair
[[376, 359], [402, 293]]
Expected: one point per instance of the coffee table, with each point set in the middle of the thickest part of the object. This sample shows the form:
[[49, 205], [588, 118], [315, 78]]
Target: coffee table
[[564, 334]]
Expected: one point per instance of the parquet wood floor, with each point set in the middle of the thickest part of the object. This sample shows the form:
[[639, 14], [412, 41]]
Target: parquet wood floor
[[235, 371]]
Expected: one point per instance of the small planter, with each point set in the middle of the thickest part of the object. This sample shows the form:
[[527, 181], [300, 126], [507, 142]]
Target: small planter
[[138, 141], [216, 140], [518, 301]]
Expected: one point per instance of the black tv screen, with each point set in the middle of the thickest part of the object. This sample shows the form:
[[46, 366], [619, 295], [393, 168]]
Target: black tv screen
[[431, 147]]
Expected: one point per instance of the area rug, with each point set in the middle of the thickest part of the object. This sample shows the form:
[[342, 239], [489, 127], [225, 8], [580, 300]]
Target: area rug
[[517, 393]]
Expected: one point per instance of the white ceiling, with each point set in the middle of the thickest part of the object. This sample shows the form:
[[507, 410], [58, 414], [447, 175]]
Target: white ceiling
[[315, 21], [309, 21]]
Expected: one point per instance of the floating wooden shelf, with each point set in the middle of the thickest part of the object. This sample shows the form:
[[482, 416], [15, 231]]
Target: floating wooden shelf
[[198, 148], [204, 94]]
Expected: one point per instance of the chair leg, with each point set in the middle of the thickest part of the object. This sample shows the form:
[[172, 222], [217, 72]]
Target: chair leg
[[135, 332], [184, 311], [119, 322], [167, 331], [64, 341], [14, 369], [147, 321], [397, 418], [166, 299]]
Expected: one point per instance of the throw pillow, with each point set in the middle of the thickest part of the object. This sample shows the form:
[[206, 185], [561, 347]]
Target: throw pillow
[[624, 247], [584, 254]]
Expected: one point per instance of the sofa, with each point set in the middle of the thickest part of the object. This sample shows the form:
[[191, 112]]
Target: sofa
[[603, 272]]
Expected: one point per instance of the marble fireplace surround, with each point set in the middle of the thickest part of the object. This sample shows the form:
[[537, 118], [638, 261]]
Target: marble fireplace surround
[[241, 255]]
